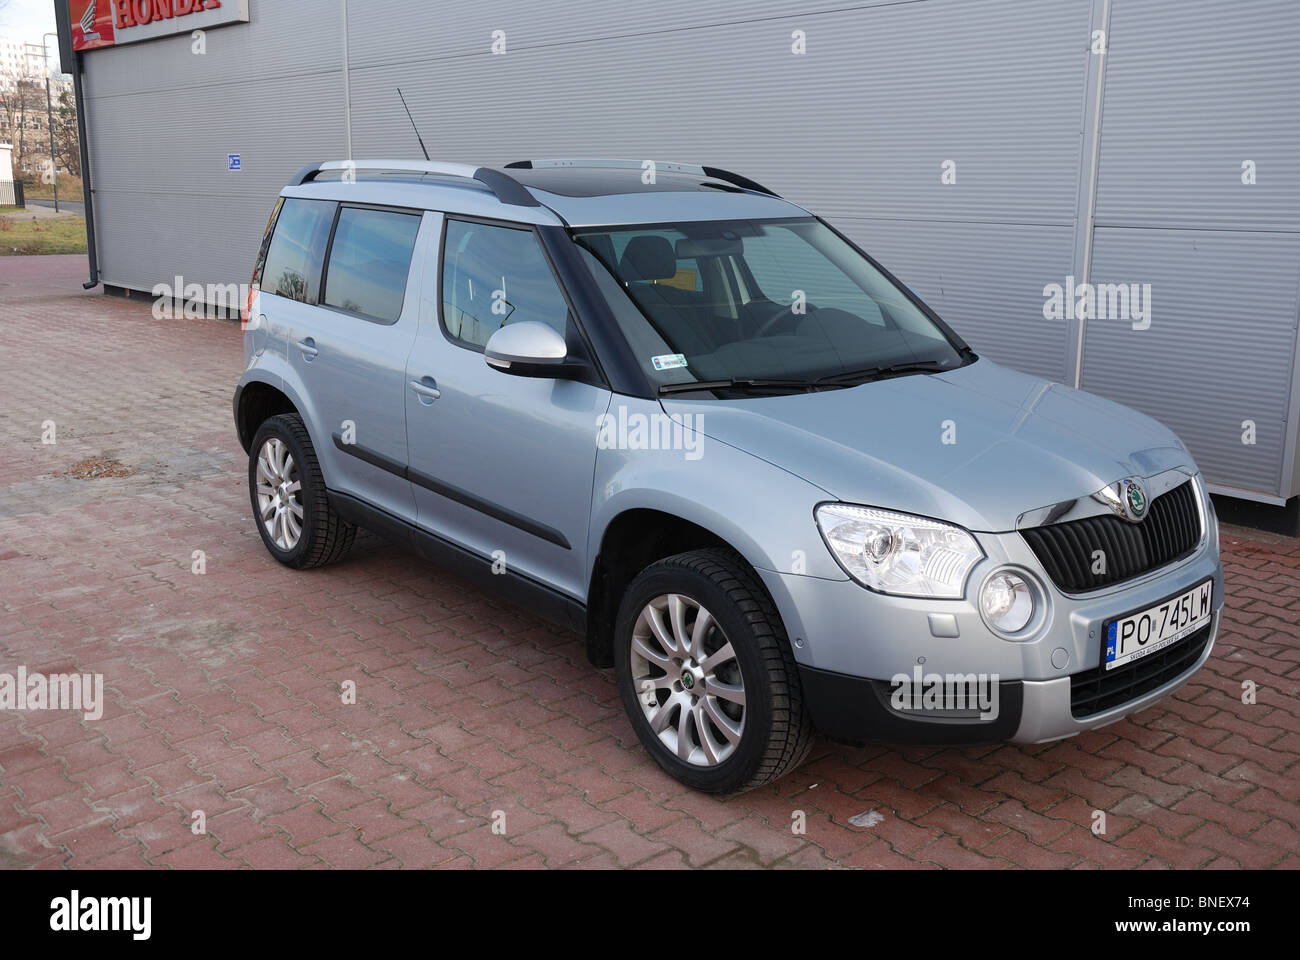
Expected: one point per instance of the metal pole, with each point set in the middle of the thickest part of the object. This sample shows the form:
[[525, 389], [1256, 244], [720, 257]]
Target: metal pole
[[49, 117], [87, 192], [347, 81]]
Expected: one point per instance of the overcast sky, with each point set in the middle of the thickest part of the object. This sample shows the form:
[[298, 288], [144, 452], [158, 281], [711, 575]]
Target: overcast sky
[[27, 20]]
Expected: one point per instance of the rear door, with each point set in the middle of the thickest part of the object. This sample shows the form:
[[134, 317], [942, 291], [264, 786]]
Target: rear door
[[501, 464], [349, 339]]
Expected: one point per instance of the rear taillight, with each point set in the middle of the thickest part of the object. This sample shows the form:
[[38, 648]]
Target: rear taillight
[[255, 285], [253, 289]]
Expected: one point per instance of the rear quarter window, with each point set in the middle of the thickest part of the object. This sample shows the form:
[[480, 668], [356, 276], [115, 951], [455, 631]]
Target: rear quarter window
[[293, 261]]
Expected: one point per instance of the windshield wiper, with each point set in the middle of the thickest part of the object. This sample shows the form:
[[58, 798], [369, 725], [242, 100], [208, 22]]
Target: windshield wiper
[[830, 381], [884, 372], [757, 383]]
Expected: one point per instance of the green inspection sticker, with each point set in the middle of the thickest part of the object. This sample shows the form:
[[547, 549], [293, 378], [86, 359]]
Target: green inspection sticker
[[669, 361]]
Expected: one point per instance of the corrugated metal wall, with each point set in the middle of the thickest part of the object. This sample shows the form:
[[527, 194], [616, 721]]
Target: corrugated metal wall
[[162, 121], [1193, 89], [858, 128]]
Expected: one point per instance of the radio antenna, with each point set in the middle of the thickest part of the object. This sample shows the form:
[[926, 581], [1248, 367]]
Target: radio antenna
[[413, 126]]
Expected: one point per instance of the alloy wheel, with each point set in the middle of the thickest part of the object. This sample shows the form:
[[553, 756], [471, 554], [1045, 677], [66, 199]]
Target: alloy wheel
[[688, 680], [279, 494]]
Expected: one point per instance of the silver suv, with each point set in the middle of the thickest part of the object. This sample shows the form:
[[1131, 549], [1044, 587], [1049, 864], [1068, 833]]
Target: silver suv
[[663, 406]]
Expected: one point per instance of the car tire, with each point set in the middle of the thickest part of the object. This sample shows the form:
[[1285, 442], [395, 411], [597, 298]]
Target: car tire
[[298, 525], [690, 722]]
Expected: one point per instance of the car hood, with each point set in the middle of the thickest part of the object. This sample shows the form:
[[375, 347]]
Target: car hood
[[977, 446]]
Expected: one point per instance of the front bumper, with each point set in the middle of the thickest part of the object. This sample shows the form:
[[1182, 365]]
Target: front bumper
[[849, 642], [1029, 711]]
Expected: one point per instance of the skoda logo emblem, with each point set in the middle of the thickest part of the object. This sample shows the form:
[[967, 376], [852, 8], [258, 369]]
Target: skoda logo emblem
[[1126, 498], [688, 681], [1135, 499]]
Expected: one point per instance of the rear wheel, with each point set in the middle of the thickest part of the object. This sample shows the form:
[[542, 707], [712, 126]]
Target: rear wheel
[[706, 675], [294, 516]]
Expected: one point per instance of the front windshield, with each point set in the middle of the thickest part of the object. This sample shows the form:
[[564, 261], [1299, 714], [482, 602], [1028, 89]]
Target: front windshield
[[785, 300]]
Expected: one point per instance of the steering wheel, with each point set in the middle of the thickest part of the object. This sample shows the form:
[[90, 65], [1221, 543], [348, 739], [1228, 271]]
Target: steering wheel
[[782, 312]]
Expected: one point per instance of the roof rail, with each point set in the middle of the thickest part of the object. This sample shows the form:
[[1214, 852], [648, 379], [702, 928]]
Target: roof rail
[[669, 166], [506, 188]]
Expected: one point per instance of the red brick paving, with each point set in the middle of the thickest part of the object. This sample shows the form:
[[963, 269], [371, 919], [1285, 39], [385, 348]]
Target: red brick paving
[[223, 688]]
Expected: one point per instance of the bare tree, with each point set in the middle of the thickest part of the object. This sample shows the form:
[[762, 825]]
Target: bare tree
[[67, 147]]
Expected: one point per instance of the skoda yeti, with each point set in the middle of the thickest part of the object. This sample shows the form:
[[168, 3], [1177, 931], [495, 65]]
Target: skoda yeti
[[692, 421]]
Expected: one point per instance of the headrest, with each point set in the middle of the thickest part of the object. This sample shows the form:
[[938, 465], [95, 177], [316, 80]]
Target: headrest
[[648, 257]]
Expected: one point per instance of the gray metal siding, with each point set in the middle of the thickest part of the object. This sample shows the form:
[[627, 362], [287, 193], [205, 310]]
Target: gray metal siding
[[162, 121], [856, 130], [857, 127], [1218, 351], [1192, 89]]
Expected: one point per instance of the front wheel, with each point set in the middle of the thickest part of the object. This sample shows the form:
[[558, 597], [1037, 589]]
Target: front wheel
[[706, 675], [294, 516]]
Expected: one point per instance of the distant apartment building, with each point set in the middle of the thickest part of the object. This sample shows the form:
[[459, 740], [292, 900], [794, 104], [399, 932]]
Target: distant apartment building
[[24, 109]]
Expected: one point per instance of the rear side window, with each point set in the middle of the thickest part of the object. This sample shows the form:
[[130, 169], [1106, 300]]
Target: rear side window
[[369, 261], [492, 276], [293, 261], [260, 265]]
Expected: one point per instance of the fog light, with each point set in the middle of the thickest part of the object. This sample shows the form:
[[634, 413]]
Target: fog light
[[1007, 602]]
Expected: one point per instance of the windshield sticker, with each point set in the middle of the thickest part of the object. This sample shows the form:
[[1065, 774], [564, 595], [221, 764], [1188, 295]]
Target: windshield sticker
[[669, 361]]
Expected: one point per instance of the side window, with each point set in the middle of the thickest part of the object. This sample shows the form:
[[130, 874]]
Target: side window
[[293, 262], [492, 276], [369, 262], [260, 265]]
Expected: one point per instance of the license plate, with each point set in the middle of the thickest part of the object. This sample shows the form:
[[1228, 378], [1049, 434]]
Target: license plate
[[1141, 634]]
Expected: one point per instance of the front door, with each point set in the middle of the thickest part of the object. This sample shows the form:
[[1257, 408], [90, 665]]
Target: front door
[[500, 464]]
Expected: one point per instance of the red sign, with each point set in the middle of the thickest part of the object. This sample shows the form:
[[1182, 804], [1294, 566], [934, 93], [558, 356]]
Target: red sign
[[107, 23], [92, 24]]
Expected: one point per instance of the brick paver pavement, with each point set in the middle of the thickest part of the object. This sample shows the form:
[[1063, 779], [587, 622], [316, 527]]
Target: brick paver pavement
[[223, 688]]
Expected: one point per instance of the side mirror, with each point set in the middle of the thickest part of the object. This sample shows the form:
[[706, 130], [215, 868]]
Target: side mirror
[[530, 349]]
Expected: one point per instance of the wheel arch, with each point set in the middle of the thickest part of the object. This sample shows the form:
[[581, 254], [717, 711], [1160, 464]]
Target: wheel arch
[[633, 540], [257, 401]]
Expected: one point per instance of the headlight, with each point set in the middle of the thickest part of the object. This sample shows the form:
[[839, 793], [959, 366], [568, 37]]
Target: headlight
[[897, 552], [1007, 602]]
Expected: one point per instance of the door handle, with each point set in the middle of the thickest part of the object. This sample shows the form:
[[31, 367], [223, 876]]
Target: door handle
[[426, 388], [308, 348]]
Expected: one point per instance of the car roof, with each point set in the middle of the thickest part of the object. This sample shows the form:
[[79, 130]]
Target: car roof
[[572, 192]]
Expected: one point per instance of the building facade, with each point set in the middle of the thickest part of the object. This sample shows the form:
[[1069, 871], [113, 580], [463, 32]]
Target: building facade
[[1102, 192]]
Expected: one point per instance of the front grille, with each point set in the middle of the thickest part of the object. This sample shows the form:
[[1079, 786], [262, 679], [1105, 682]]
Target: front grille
[[1099, 690], [1170, 531]]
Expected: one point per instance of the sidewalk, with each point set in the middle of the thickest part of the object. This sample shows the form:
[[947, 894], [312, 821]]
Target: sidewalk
[[36, 212]]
